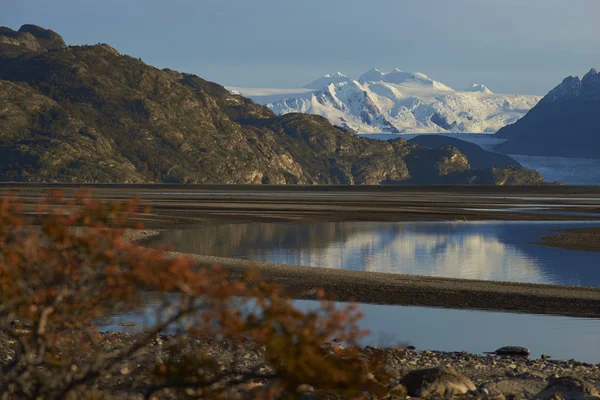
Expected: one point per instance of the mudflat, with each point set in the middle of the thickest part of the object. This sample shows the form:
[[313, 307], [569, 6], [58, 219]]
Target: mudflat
[[414, 290], [583, 239], [181, 206], [175, 206]]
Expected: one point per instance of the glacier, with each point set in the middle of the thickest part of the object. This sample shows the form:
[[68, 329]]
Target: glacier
[[397, 102]]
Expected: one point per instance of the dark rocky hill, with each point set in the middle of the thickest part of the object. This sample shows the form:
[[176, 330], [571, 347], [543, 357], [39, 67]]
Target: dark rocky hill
[[478, 157], [90, 114], [564, 123]]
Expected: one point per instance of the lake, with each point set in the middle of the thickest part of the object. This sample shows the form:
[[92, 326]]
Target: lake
[[492, 250], [570, 171], [489, 250]]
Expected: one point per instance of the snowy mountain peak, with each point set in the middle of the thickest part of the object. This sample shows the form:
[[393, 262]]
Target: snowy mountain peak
[[420, 75], [335, 75], [399, 77], [478, 87], [372, 75], [399, 102], [328, 79]]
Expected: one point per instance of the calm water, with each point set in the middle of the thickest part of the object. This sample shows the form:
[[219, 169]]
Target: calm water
[[454, 330], [491, 250], [570, 171], [477, 250]]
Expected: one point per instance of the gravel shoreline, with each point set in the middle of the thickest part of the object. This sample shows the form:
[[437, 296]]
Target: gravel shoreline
[[398, 289], [492, 377], [581, 239]]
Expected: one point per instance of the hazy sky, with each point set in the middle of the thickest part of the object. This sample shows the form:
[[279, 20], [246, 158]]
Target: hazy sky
[[512, 46]]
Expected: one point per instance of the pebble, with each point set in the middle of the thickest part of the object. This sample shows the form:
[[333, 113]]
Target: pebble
[[480, 369], [305, 389]]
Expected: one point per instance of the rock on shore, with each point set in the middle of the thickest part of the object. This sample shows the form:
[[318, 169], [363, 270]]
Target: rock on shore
[[404, 373]]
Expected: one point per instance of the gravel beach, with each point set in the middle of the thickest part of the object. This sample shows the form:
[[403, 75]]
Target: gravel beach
[[582, 239], [442, 374], [398, 289]]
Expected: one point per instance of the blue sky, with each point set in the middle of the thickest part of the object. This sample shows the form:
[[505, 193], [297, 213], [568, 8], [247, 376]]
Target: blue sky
[[512, 46]]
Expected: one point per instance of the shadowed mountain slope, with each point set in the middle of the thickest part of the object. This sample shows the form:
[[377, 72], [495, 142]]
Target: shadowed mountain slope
[[564, 123], [90, 114]]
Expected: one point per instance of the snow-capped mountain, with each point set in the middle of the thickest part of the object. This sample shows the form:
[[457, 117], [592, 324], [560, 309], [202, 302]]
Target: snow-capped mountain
[[398, 102], [478, 87], [399, 77], [328, 79]]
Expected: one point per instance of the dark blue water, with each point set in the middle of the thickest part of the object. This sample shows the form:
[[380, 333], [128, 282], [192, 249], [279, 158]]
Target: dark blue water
[[489, 250]]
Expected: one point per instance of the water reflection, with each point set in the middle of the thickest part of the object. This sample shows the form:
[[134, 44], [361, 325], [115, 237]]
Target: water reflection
[[490, 250], [445, 329], [481, 331]]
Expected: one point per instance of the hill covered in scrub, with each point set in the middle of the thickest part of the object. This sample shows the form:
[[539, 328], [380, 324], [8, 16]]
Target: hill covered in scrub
[[90, 114]]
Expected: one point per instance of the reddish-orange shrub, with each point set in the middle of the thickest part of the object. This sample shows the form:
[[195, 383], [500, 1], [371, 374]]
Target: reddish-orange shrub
[[69, 267]]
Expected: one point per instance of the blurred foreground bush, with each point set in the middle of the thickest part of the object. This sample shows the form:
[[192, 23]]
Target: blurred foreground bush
[[72, 268]]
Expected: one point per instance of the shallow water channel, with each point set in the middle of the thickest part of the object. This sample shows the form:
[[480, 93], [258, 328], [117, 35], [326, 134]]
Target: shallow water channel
[[476, 250], [451, 330]]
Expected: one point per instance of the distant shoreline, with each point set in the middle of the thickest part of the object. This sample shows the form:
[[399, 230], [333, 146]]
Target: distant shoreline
[[181, 206]]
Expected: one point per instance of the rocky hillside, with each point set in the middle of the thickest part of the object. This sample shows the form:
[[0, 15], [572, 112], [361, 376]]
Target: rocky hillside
[[90, 114], [478, 157], [564, 123]]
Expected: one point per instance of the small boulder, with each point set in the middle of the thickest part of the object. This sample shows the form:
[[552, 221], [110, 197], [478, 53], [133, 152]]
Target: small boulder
[[527, 387], [436, 381], [20, 327], [513, 351], [569, 388], [304, 388]]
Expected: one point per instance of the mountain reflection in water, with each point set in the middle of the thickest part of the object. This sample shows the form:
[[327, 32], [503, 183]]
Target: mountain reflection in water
[[490, 250]]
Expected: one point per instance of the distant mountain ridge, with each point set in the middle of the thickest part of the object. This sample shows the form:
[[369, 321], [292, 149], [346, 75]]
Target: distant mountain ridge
[[398, 102], [90, 114], [564, 123], [478, 158]]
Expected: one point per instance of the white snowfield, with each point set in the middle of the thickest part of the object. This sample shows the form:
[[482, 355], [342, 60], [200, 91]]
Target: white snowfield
[[397, 102]]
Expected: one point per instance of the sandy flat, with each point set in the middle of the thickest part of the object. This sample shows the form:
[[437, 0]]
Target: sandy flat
[[181, 206], [399, 289]]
